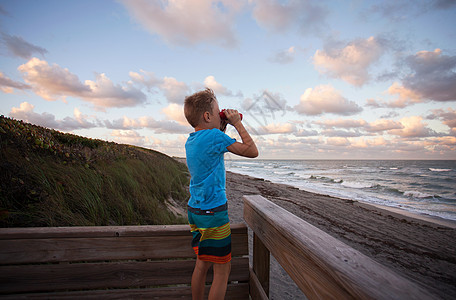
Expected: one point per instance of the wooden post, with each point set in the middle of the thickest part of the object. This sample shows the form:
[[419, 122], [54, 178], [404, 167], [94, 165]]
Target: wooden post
[[261, 262]]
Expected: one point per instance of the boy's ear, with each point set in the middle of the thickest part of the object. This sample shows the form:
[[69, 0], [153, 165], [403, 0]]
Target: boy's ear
[[207, 116]]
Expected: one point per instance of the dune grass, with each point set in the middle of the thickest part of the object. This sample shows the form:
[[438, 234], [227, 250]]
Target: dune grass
[[49, 178]]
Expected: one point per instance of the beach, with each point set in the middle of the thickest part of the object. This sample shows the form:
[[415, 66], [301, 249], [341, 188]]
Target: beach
[[420, 248]]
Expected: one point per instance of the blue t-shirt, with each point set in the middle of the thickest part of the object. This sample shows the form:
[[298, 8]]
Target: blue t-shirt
[[205, 150]]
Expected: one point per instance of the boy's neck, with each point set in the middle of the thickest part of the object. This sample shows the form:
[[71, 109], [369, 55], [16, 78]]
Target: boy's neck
[[202, 127]]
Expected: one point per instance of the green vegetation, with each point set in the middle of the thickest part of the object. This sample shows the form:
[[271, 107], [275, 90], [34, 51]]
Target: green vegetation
[[49, 178]]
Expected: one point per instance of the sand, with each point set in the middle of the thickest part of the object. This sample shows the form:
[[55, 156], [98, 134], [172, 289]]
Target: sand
[[420, 248]]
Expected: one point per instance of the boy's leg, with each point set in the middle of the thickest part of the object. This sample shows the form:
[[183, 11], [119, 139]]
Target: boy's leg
[[220, 281], [199, 278]]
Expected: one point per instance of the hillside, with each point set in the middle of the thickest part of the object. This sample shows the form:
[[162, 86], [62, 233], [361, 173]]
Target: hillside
[[50, 178]]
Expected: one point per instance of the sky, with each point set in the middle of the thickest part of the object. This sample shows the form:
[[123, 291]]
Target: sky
[[313, 79]]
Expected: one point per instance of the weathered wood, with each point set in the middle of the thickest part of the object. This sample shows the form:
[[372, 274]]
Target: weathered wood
[[261, 262], [127, 260], [139, 243], [255, 289], [55, 277], [114, 248], [101, 231], [322, 266], [234, 292]]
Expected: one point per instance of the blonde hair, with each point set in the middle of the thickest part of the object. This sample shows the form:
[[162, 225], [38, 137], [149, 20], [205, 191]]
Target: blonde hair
[[197, 104]]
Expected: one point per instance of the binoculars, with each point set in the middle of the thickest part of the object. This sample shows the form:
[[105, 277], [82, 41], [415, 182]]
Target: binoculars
[[223, 116]]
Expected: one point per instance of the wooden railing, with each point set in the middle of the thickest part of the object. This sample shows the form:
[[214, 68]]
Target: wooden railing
[[157, 261], [113, 262], [321, 266]]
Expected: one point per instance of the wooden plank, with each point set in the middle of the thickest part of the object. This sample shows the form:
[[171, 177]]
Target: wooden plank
[[255, 289], [238, 291], [54, 277], [322, 266], [261, 262], [113, 248], [101, 231]]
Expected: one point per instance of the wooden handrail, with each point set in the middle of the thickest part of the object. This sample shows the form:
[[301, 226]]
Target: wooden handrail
[[322, 266], [110, 262]]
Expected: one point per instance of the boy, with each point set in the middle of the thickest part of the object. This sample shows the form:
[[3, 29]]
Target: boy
[[207, 206]]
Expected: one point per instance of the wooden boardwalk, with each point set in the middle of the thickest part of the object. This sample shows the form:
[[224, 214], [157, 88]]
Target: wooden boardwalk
[[156, 262]]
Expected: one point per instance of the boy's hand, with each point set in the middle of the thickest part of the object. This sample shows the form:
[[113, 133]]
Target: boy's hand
[[232, 116]]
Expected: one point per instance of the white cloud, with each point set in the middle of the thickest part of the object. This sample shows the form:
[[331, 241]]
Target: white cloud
[[129, 137], [147, 79], [175, 112], [351, 62], [432, 75], [342, 123], [340, 133], [8, 85], [104, 93], [404, 96], [360, 125], [19, 47], [174, 90], [325, 99], [53, 82], [279, 16], [412, 127], [211, 83], [383, 125], [26, 113], [337, 141], [277, 128], [188, 22], [162, 126]]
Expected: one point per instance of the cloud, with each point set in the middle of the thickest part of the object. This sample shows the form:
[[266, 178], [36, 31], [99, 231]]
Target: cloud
[[432, 75], [187, 22], [361, 125], [338, 141], [342, 123], [26, 112], [383, 125], [304, 132], [448, 117], [129, 137], [19, 47], [53, 82], [218, 88], [174, 90], [276, 128], [284, 56], [413, 127], [147, 79], [373, 103], [8, 85], [325, 99], [175, 112], [350, 62], [340, 133], [277, 16], [403, 10], [163, 126], [404, 98]]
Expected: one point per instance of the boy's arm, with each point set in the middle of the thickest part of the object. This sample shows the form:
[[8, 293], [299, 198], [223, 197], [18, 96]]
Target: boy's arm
[[247, 148]]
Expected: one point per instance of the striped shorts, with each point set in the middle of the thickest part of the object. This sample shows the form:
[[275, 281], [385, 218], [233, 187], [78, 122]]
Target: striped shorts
[[211, 234]]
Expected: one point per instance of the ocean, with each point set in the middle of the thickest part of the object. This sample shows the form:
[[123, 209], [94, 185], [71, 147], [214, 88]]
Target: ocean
[[418, 186]]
